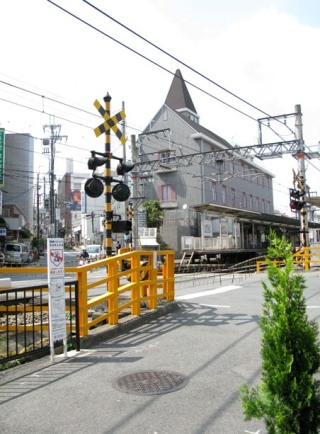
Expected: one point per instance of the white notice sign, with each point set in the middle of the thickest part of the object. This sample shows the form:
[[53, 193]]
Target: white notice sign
[[57, 304]]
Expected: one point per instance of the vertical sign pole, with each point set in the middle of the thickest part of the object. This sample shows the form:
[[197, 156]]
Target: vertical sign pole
[[107, 174]]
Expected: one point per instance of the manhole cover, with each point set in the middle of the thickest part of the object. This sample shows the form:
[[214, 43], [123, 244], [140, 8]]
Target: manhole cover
[[150, 382]]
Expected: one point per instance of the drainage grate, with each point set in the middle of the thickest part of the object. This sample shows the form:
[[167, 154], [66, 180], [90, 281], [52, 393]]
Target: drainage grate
[[150, 382]]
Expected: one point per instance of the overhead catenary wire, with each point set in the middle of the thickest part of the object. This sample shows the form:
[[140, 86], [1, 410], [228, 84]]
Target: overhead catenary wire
[[155, 63], [75, 122], [170, 72], [155, 147], [182, 62]]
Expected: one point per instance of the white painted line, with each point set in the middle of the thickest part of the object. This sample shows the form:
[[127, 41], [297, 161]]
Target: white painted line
[[214, 305], [210, 292], [313, 307]]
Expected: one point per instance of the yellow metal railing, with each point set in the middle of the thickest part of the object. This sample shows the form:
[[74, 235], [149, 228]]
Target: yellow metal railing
[[306, 257], [131, 278]]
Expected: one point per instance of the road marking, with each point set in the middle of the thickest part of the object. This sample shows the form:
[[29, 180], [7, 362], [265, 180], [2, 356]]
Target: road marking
[[210, 292], [313, 307], [214, 305]]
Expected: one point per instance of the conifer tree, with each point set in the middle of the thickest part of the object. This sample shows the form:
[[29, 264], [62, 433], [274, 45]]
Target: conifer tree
[[288, 396]]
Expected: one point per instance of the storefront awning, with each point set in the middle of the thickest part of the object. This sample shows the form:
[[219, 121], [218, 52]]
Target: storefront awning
[[253, 216]]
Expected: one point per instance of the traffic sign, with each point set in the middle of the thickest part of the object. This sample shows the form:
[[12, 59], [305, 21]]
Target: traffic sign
[[110, 122]]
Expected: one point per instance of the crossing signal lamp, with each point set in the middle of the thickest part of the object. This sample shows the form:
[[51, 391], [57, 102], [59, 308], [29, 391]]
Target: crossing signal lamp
[[93, 187], [296, 204], [94, 161], [121, 192], [124, 168]]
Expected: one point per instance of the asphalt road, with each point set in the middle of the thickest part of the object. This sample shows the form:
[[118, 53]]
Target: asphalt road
[[71, 259], [212, 340]]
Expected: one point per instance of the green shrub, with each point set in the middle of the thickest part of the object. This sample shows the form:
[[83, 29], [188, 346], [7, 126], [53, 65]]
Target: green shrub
[[288, 396]]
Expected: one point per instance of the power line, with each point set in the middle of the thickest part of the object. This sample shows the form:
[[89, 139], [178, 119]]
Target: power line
[[48, 98], [150, 60], [175, 58]]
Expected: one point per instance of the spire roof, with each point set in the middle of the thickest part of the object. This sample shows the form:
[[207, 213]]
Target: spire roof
[[178, 96]]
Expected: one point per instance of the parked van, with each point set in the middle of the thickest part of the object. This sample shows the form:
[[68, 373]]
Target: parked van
[[16, 253]]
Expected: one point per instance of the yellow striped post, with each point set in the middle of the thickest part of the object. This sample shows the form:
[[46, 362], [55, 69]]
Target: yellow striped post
[[107, 187]]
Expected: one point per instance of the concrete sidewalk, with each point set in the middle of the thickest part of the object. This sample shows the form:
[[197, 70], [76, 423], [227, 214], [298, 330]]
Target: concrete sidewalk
[[179, 373]]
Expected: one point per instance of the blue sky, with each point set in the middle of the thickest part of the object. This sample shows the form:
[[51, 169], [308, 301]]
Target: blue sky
[[263, 51]]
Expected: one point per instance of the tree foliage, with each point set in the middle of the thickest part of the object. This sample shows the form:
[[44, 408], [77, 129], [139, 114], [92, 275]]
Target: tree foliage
[[288, 396], [154, 213]]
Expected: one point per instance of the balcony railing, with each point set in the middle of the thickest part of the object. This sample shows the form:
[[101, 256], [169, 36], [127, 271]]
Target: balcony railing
[[208, 243]]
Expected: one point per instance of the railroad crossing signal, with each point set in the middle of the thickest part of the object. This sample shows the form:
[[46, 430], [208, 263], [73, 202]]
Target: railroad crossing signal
[[110, 122], [296, 199]]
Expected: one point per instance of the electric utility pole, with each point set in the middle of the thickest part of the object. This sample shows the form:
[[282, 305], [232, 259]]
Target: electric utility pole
[[304, 238], [38, 211], [50, 150]]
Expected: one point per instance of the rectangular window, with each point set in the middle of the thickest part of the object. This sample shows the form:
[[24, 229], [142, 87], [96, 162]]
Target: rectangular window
[[167, 193], [242, 170], [231, 167], [256, 204], [165, 154], [233, 197], [214, 191], [257, 174], [224, 194], [244, 200]]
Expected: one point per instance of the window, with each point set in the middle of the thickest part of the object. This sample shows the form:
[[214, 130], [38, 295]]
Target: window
[[164, 155], [257, 175], [256, 204], [214, 191], [250, 202], [242, 170], [224, 194], [141, 189], [6, 212], [233, 197], [244, 200], [167, 193], [269, 207], [269, 182], [231, 167]]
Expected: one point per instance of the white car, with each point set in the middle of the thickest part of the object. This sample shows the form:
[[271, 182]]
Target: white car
[[95, 252]]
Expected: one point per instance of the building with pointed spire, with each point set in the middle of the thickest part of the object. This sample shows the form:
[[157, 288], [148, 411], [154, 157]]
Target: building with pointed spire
[[222, 207]]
